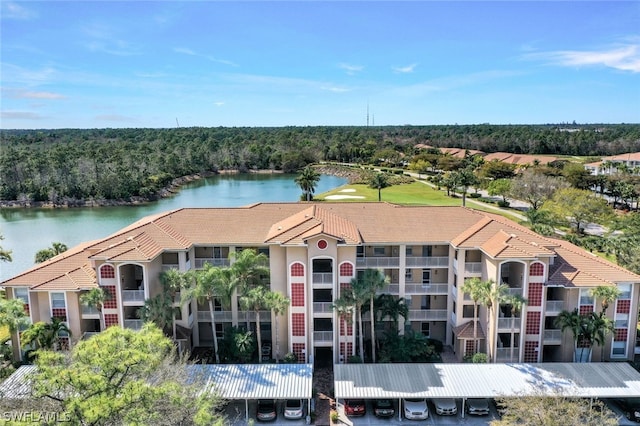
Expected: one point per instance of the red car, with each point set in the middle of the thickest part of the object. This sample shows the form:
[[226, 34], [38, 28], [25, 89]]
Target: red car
[[355, 407]]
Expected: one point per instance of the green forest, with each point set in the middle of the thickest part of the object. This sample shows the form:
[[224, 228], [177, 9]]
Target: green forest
[[63, 165]]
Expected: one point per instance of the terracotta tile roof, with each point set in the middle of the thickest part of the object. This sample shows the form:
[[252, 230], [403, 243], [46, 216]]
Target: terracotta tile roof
[[77, 279], [465, 331], [504, 246], [630, 156], [519, 159]]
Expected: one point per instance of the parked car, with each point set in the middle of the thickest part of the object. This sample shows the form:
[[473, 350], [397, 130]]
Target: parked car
[[415, 409], [478, 406], [293, 409], [383, 408], [445, 406], [630, 408], [355, 407], [266, 410]]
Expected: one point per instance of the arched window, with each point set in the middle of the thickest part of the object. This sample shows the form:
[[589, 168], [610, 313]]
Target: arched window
[[536, 269], [346, 269], [297, 270], [107, 271]]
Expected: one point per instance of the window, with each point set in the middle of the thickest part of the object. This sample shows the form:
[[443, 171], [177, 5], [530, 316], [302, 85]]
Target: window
[[467, 311], [409, 251], [425, 302], [625, 291], [22, 294], [57, 301], [425, 329], [408, 275], [426, 276], [378, 251], [107, 271], [585, 297], [619, 349], [360, 251], [426, 251]]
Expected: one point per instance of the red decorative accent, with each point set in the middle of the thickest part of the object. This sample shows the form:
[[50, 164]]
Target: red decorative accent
[[586, 309], [297, 294], [110, 319], [535, 294], [107, 271], [530, 352], [297, 270], [298, 350], [623, 306], [297, 325], [60, 313], [112, 303], [621, 335], [536, 269], [346, 328], [533, 323], [322, 244], [346, 269]]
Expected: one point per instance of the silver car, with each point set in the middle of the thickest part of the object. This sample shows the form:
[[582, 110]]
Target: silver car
[[445, 406], [478, 406], [415, 409], [293, 409]]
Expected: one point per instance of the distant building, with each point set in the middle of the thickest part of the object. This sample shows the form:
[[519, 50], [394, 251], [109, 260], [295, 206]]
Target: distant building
[[316, 249], [611, 165]]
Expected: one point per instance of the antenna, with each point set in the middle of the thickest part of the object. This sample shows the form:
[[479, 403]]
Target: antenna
[[177, 124], [367, 113]]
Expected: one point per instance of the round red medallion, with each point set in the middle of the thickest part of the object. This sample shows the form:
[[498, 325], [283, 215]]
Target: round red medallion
[[322, 244]]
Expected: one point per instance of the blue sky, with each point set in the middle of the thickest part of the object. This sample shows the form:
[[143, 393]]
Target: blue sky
[[95, 64]]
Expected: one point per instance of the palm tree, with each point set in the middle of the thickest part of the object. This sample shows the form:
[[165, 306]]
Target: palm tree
[[255, 300], [48, 253], [173, 281], [95, 298], [372, 280], [479, 291], [392, 307], [515, 302], [5, 255], [587, 331], [160, 311], [607, 294], [307, 181], [278, 303], [248, 269], [46, 336], [379, 181]]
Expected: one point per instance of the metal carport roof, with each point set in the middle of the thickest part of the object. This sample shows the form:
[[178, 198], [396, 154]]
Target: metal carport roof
[[588, 380]]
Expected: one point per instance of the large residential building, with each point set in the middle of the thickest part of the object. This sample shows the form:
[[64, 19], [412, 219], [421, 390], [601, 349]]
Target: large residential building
[[316, 249]]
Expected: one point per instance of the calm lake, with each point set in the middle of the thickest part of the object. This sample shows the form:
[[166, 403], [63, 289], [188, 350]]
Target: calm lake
[[26, 231]]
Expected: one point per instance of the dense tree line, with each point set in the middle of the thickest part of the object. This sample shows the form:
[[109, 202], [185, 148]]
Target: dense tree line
[[118, 164]]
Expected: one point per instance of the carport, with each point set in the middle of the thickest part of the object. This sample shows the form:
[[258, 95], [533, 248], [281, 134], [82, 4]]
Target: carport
[[463, 381], [257, 381]]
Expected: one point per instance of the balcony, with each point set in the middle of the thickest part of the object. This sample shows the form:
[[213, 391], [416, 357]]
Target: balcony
[[219, 316], [507, 354], [168, 266], [427, 315], [390, 289], [514, 291], [377, 262], [435, 289], [427, 262], [133, 324], [509, 324], [132, 296], [244, 316], [322, 307], [214, 261], [323, 278], [554, 307], [323, 336], [552, 337], [89, 311]]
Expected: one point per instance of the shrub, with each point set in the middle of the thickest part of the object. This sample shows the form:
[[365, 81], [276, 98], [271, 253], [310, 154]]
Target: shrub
[[475, 195], [290, 358], [354, 359], [503, 204], [437, 345]]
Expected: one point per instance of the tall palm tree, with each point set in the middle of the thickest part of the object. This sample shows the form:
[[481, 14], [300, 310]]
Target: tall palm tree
[[173, 281], [372, 280], [479, 291], [607, 294], [160, 311], [515, 302], [307, 181], [95, 298], [587, 331], [278, 303], [387, 305], [352, 299], [248, 269], [379, 181], [255, 299]]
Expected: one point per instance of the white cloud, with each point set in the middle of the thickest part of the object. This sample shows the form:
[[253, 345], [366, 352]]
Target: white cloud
[[25, 94], [21, 115], [12, 10], [404, 70], [187, 51], [351, 69], [623, 58], [218, 104], [336, 89]]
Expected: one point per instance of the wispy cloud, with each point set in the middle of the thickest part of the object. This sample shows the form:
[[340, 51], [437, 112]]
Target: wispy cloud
[[623, 58], [26, 94], [350, 68], [404, 70], [102, 38], [21, 115], [218, 104], [190, 52], [335, 89], [12, 10]]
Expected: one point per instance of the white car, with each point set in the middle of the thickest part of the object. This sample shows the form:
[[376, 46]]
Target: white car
[[415, 409], [478, 406], [445, 406], [293, 409]]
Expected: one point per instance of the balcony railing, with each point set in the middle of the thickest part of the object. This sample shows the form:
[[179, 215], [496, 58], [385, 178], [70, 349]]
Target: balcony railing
[[505, 354], [473, 268], [323, 278], [551, 337], [322, 307], [214, 261], [89, 310], [509, 323], [244, 316], [133, 324], [133, 295], [390, 289], [554, 306], [427, 262], [220, 316], [426, 288], [168, 266], [427, 315], [377, 262], [514, 291], [323, 336]]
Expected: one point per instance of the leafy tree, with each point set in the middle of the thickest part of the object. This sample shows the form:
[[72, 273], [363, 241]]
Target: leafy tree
[[578, 207], [501, 187], [48, 253], [123, 376], [5, 255], [535, 188], [237, 346], [497, 170], [577, 175], [587, 331], [463, 179], [307, 180], [379, 181], [553, 410], [12, 314], [412, 346], [46, 336], [96, 297]]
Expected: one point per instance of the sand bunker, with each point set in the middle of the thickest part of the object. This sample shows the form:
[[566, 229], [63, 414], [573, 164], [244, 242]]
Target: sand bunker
[[342, 197]]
